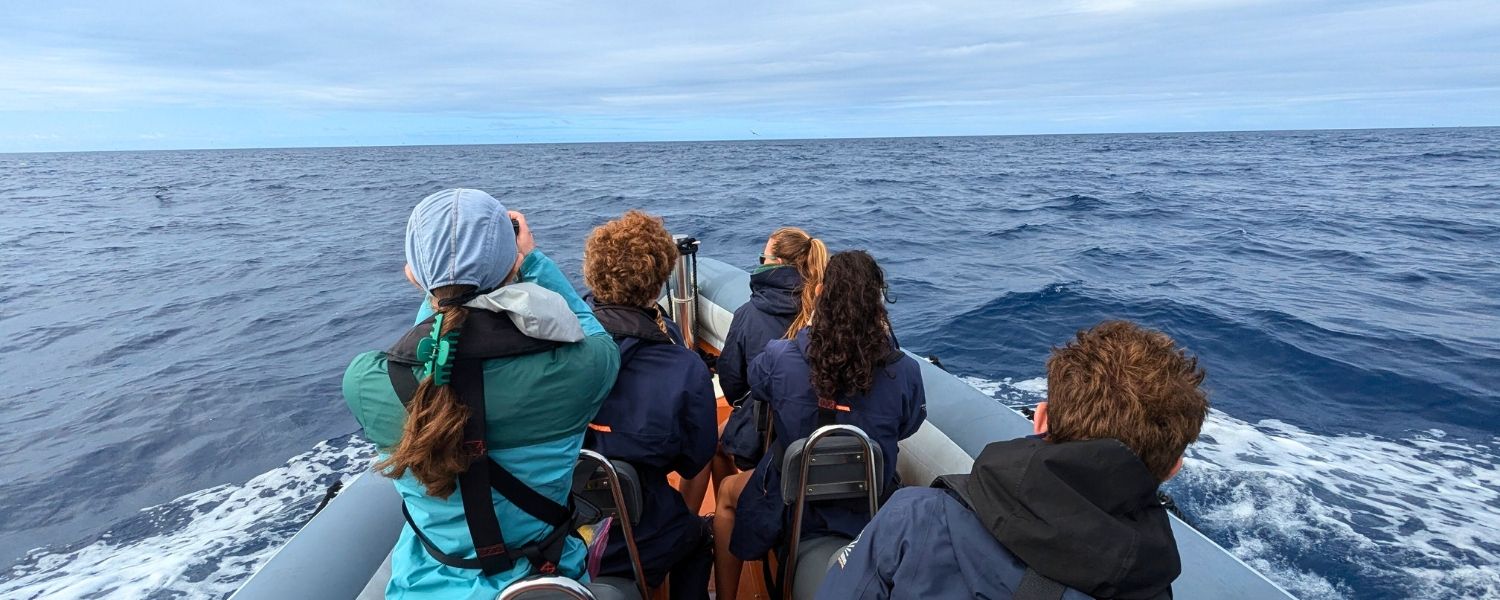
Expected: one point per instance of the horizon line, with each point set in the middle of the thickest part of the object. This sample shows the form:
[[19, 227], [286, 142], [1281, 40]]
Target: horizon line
[[759, 139]]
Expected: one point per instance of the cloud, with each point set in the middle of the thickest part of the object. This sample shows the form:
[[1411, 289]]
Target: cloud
[[778, 61]]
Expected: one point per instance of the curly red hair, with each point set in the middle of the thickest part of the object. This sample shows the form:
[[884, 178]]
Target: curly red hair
[[627, 261]]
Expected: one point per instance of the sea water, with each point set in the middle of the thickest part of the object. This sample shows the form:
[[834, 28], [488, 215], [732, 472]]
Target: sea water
[[176, 323]]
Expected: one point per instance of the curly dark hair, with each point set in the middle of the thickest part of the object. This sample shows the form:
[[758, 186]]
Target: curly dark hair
[[850, 336], [627, 261]]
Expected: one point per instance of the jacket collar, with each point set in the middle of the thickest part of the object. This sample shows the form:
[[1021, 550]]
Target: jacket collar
[[631, 321]]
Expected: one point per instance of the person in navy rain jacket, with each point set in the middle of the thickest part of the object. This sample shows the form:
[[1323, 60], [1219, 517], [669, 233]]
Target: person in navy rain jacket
[[660, 416], [781, 302], [782, 293], [847, 360], [1075, 509]]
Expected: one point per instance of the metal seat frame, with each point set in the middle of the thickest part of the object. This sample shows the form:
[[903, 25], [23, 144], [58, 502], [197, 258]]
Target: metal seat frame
[[871, 481], [621, 511], [546, 583]]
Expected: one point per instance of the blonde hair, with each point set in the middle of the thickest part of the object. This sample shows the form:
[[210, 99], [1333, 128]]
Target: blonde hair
[[810, 257]]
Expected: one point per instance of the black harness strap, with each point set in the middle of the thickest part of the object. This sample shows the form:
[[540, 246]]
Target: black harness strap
[[474, 482], [484, 474], [1036, 586], [402, 380], [827, 413]]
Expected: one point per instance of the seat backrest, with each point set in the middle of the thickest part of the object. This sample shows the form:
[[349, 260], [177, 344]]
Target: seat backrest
[[591, 482], [546, 587], [836, 467]]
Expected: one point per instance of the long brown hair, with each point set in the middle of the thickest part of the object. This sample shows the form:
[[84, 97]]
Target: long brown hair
[[431, 443], [851, 337], [810, 257]]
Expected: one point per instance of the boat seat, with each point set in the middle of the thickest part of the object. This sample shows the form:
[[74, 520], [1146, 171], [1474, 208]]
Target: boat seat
[[814, 558], [611, 488], [836, 471], [592, 484], [835, 462], [547, 587], [614, 588]]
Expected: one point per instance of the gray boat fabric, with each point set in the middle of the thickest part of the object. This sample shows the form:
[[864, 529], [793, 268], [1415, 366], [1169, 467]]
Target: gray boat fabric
[[375, 589]]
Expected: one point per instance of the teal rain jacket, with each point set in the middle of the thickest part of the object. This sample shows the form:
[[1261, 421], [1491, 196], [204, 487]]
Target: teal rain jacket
[[538, 405]]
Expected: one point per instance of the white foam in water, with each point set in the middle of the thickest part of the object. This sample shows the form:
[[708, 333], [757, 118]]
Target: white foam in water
[[1421, 515], [200, 546]]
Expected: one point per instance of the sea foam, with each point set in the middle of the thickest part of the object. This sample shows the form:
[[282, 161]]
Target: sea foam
[[199, 546], [1421, 514]]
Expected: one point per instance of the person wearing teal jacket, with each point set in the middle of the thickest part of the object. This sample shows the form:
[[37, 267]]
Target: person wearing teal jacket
[[464, 252]]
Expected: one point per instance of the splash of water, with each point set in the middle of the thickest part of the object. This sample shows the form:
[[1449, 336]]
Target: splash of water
[[199, 546]]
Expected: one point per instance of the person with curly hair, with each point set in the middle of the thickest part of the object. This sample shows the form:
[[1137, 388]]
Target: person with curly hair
[[1071, 512], [661, 414], [846, 364]]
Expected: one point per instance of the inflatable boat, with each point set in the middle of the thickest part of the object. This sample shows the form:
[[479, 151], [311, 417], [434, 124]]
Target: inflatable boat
[[342, 552]]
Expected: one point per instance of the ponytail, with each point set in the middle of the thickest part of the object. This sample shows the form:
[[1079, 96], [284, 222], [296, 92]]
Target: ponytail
[[810, 257], [431, 443]]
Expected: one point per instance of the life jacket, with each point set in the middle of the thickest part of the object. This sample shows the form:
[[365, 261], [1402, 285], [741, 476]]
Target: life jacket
[[485, 335]]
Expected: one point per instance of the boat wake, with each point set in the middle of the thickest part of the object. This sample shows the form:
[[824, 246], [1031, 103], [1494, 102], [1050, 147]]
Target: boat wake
[[1419, 515], [200, 546]]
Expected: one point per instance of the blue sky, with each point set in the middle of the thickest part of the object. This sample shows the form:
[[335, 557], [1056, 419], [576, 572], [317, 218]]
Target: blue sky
[[100, 75]]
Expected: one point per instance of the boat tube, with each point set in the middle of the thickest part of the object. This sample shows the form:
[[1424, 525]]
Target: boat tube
[[342, 552]]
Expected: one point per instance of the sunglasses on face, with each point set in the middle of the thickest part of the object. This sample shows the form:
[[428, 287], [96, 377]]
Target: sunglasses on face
[[765, 257]]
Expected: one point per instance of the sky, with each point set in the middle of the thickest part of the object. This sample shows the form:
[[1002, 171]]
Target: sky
[[111, 75]]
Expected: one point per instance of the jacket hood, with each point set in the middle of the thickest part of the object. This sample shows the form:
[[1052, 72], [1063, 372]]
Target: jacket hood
[[1082, 513], [777, 291], [630, 322]]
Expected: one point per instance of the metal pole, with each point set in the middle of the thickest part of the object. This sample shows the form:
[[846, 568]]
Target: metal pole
[[684, 289]]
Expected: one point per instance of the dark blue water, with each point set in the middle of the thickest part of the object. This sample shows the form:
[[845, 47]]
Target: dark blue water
[[176, 322]]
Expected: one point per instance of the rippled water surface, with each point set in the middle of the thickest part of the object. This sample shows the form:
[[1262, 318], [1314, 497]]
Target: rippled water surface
[[176, 322]]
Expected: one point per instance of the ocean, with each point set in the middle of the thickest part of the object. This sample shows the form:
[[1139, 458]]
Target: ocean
[[177, 322]]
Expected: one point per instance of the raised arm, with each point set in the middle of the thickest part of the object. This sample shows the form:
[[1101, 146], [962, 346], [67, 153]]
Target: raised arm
[[539, 269]]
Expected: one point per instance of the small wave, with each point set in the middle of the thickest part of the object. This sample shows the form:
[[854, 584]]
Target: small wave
[[1010, 232], [200, 546], [1077, 202]]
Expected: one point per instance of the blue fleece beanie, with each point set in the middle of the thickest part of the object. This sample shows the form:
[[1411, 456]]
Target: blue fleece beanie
[[460, 237]]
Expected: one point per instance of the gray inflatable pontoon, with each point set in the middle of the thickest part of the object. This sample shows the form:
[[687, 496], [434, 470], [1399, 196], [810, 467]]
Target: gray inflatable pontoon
[[341, 553]]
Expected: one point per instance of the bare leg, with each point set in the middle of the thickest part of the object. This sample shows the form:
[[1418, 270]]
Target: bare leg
[[726, 565], [722, 466], [693, 490]]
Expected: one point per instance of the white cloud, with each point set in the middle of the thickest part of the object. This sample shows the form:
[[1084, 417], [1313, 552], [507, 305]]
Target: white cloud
[[778, 60]]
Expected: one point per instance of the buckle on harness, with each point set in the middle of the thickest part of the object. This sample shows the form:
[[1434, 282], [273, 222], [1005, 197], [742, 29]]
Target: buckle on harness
[[474, 448], [548, 568]]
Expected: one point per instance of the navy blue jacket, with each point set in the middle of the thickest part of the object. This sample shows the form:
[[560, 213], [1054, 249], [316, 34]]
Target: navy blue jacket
[[660, 417], [893, 409], [775, 299], [1084, 514]]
